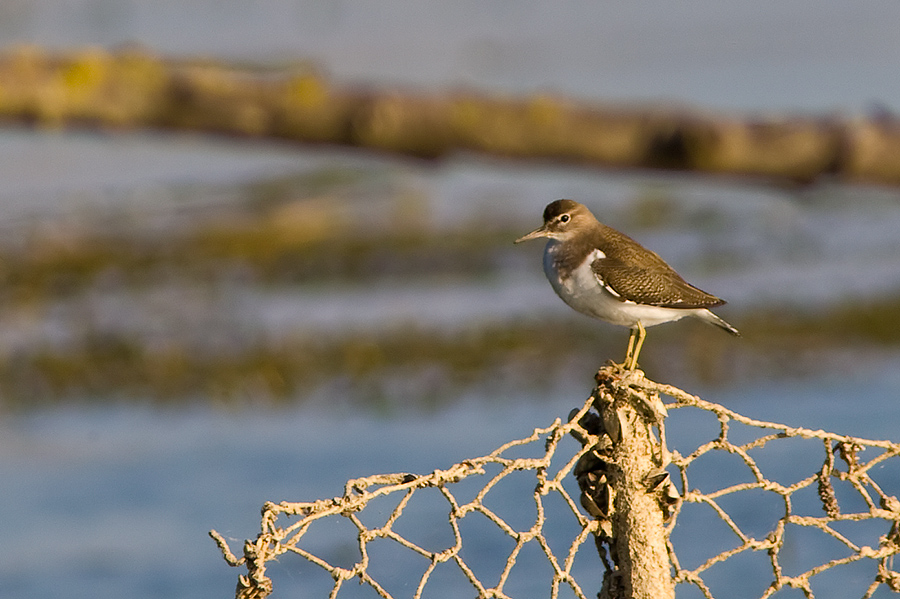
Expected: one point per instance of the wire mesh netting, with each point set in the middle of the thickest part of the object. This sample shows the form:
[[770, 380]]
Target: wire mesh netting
[[752, 509]]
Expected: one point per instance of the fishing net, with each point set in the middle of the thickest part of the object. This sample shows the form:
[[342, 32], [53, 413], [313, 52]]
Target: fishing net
[[746, 508]]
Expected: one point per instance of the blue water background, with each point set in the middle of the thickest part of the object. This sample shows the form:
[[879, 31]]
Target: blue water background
[[116, 500]]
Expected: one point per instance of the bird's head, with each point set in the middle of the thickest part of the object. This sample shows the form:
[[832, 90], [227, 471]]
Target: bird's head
[[562, 220]]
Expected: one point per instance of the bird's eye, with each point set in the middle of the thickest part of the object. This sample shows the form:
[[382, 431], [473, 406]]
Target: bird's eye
[[564, 218]]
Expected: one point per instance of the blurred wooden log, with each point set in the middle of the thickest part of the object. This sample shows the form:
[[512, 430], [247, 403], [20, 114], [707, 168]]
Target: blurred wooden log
[[132, 88]]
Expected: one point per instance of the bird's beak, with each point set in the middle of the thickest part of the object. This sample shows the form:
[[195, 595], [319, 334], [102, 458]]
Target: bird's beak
[[539, 232]]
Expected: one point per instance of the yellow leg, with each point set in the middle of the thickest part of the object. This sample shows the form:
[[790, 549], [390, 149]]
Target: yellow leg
[[635, 343], [630, 349]]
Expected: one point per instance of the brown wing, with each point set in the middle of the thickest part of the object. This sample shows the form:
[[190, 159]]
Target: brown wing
[[655, 285]]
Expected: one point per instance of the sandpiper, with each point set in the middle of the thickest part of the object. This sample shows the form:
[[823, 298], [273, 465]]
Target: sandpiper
[[605, 274]]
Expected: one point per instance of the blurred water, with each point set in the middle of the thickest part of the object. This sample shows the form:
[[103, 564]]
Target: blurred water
[[117, 499], [756, 246], [801, 55]]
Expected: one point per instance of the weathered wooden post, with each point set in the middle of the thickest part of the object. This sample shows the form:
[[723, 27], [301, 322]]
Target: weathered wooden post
[[625, 486]]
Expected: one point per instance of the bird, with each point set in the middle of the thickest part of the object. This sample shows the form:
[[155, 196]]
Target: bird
[[603, 273]]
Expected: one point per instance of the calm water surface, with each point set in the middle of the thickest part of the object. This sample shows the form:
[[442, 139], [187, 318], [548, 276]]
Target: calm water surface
[[116, 499], [802, 55]]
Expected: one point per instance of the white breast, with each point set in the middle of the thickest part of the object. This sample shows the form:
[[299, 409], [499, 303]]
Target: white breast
[[586, 293]]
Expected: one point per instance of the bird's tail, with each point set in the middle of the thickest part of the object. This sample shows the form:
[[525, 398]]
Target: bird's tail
[[707, 316]]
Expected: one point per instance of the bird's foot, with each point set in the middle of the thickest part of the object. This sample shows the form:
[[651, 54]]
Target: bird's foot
[[613, 373], [622, 366], [628, 365]]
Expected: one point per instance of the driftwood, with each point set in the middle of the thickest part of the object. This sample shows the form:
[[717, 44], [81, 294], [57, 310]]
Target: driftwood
[[132, 88]]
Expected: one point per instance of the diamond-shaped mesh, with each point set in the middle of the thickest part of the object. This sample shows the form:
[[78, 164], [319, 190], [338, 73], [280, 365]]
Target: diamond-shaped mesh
[[802, 497], [740, 521]]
